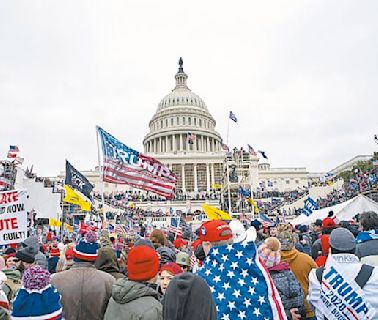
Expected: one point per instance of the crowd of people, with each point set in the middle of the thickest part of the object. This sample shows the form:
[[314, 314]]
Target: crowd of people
[[213, 273]]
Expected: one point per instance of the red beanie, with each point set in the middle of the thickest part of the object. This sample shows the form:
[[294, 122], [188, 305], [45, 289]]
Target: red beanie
[[172, 267], [142, 263], [328, 223], [215, 230]]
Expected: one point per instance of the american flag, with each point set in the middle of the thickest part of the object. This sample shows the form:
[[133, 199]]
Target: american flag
[[12, 153], [240, 284], [266, 222], [251, 150], [191, 137], [123, 165], [120, 228], [4, 183], [225, 147], [175, 227]]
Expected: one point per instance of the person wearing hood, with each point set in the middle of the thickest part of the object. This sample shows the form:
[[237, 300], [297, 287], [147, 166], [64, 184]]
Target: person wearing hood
[[367, 240], [85, 290], [300, 263], [290, 290], [107, 262], [166, 255], [39, 258], [188, 297], [137, 297]]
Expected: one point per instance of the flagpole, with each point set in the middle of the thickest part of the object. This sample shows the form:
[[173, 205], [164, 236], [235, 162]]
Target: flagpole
[[100, 167], [228, 130]]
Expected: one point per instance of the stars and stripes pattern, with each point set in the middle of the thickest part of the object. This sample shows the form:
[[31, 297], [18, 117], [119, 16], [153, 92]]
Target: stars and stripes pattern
[[241, 286], [251, 150], [266, 221], [13, 152], [123, 165], [176, 227]]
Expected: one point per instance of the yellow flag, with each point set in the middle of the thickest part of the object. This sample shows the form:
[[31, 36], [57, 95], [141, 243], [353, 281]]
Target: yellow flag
[[216, 186], [68, 227], [215, 214], [74, 198], [330, 183], [54, 222], [254, 204]]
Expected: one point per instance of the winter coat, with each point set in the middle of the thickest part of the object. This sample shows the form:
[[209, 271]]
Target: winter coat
[[107, 262], [349, 266], [133, 301], [13, 283], [367, 252], [301, 265], [85, 291], [289, 288]]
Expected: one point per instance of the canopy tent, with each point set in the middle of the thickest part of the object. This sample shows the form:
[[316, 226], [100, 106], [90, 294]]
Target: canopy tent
[[343, 211]]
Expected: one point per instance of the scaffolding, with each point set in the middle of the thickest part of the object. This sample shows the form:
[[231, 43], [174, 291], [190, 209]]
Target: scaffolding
[[8, 173]]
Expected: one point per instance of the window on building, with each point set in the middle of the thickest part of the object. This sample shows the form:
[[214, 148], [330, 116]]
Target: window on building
[[296, 181], [178, 121], [200, 122], [161, 123], [287, 181], [195, 121], [166, 122], [171, 121], [189, 121], [184, 121]]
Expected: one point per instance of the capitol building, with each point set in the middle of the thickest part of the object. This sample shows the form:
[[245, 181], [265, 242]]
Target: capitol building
[[182, 134]]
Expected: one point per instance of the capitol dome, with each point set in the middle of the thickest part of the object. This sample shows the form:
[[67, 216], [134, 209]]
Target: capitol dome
[[182, 123]]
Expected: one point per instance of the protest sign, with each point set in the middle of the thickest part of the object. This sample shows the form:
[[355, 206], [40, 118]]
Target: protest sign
[[13, 217]]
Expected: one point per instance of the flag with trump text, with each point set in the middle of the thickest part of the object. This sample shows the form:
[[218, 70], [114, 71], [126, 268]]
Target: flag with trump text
[[240, 284], [123, 165]]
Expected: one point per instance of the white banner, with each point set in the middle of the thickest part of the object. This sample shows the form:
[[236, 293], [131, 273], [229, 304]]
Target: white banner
[[341, 298], [13, 217]]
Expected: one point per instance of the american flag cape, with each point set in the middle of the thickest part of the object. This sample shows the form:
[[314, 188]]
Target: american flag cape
[[241, 286], [123, 165]]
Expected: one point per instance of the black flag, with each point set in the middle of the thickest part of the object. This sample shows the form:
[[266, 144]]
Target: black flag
[[77, 181]]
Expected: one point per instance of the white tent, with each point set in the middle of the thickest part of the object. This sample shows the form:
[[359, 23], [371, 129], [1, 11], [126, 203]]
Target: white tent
[[343, 211]]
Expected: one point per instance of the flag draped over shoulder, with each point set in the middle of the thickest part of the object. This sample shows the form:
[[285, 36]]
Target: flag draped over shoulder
[[214, 213], [77, 181], [124, 165], [240, 284], [75, 198]]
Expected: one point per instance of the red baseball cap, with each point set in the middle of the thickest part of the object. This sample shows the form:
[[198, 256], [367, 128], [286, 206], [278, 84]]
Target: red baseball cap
[[172, 267], [328, 223], [215, 230]]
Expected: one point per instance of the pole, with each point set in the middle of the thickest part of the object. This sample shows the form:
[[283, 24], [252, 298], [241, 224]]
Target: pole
[[100, 167], [229, 191], [228, 130], [250, 182]]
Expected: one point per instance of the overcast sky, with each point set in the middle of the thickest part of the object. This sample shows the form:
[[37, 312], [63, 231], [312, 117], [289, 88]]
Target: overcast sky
[[301, 76]]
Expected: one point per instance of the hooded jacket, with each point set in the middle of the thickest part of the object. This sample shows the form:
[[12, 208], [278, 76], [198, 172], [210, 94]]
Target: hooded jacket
[[85, 291], [107, 262], [300, 264], [188, 297], [133, 301], [290, 290], [367, 252], [349, 266]]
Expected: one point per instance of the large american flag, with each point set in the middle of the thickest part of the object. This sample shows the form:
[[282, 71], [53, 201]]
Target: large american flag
[[241, 286], [123, 165]]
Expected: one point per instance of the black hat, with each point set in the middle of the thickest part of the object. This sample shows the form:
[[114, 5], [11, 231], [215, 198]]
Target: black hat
[[26, 254], [318, 222], [9, 251]]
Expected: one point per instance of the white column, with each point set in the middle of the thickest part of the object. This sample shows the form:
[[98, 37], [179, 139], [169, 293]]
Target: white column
[[181, 145], [183, 177], [167, 149], [160, 144], [207, 178], [195, 145], [208, 143], [195, 177], [174, 148], [212, 173]]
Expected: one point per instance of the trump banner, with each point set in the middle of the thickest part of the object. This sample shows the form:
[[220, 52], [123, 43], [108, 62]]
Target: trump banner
[[13, 217]]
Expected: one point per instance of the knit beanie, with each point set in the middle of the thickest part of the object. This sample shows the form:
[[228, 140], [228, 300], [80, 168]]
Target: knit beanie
[[142, 263], [269, 252], [37, 298], [286, 238], [86, 249]]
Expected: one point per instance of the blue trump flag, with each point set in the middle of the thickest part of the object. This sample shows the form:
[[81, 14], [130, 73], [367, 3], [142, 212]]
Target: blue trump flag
[[240, 284], [310, 205]]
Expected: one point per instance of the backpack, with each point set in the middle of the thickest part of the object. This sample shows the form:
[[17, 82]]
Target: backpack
[[361, 279]]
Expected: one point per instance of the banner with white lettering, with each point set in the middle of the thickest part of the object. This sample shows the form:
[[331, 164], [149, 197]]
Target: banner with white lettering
[[341, 298], [13, 216]]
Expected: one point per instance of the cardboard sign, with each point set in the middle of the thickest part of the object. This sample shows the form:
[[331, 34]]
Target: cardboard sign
[[13, 217]]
